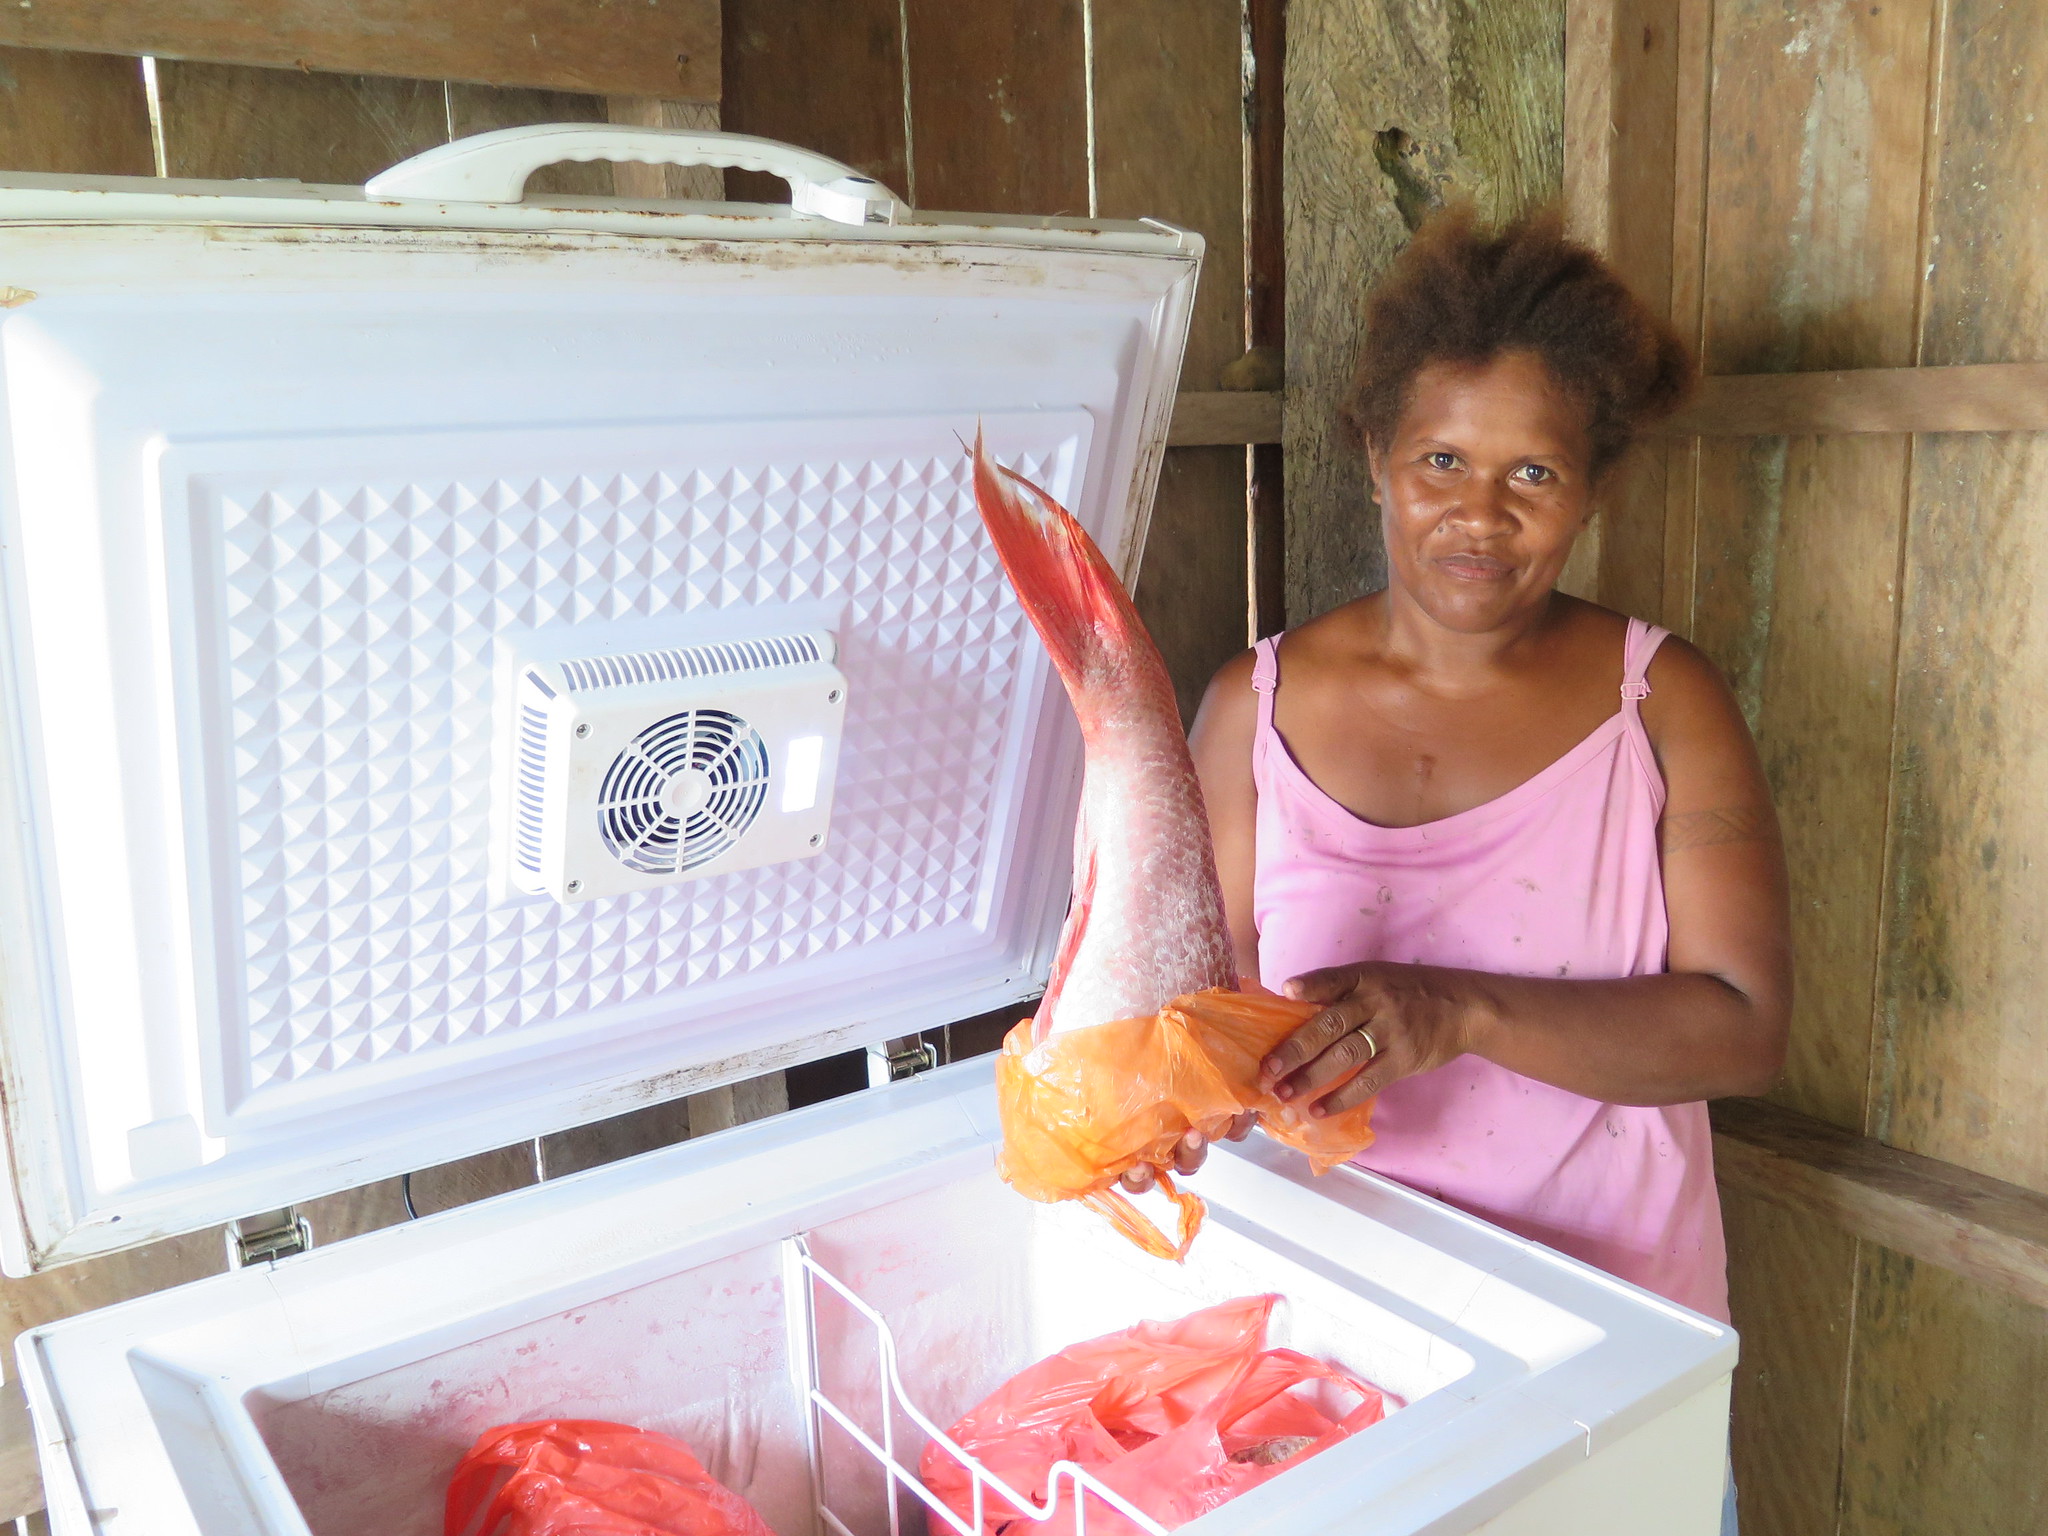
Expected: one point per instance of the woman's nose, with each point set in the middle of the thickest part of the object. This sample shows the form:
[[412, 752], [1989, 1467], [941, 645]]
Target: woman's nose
[[1481, 508]]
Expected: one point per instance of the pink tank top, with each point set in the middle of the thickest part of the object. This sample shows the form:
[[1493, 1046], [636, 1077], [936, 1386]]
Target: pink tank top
[[1558, 877]]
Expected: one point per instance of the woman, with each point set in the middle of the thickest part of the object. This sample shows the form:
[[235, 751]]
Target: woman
[[1519, 846]]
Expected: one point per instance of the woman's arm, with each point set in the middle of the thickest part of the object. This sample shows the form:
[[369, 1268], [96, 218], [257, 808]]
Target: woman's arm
[[1715, 1025], [1221, 743]]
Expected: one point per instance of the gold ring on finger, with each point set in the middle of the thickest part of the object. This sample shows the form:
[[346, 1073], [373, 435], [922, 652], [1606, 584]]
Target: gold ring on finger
[[1372, 1046]]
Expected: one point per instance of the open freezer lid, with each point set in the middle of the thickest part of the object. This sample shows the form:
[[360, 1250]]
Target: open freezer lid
[[344, 541]]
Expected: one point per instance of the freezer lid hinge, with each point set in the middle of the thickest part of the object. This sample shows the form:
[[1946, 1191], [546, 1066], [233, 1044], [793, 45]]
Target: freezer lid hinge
[[268, 1237], [892, 1061]]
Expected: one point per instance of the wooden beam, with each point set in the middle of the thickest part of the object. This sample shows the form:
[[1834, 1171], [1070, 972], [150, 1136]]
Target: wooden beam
[[1622, 74], [1215, 418], [1265, 266], [1168, 142], [1986, 1229], [664, 48], [1976, 397]]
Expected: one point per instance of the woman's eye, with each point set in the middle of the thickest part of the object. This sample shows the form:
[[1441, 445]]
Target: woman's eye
[[1443, 461], [1535, 474]]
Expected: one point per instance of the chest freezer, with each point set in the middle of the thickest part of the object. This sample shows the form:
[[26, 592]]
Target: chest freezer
[[473, 667]]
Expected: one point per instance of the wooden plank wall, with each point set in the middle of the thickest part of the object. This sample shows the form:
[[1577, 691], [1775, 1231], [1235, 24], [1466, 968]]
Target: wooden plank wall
[[1392, 107], [1013, 107], [1860, 186]]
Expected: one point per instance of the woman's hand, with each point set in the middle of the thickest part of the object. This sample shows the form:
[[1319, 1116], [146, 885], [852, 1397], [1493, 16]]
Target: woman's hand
[[1189, 1155], [1380, 1023]]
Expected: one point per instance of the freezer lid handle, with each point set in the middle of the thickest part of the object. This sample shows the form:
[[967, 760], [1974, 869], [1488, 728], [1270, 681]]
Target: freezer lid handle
[[493, 167]]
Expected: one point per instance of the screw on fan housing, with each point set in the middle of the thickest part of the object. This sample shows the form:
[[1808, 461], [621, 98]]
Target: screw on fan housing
[[574, 886]]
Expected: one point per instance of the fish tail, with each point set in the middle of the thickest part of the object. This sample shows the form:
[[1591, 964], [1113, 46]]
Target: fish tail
[[1067, 589]]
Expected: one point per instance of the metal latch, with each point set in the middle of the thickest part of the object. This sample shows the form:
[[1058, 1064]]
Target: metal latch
[[266, 1238], [894, 1060]]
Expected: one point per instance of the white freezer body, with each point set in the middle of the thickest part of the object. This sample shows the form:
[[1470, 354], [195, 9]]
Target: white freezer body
[[333, 1392]]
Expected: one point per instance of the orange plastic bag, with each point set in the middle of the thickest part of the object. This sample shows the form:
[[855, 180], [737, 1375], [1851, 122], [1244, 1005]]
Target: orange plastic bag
[[584, 1477], [1175, 1417], [1083, 1107]]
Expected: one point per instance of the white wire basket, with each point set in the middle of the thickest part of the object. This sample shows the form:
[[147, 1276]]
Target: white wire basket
[[1070, 1489]]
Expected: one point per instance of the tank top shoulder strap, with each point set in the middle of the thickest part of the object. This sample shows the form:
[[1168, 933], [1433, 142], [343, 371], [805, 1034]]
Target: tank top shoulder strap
[[1265, 678], [1643, 640]]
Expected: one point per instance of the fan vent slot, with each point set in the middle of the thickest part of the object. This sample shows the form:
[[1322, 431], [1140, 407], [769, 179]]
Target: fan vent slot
[[533, 767], [688, 661], [685, 790]]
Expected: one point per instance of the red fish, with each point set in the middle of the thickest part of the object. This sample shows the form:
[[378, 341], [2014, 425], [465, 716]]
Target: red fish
[[1146, 925], [1142, 1036]]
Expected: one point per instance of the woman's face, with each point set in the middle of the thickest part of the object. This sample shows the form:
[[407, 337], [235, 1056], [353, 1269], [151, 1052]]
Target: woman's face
[[1485, 485]]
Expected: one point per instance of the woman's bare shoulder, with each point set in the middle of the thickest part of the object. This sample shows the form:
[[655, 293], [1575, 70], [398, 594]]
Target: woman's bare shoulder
[[1687, 679], [1687, 690], [1229, 707], [1220, 740], [1692, 716], [1601, 630]]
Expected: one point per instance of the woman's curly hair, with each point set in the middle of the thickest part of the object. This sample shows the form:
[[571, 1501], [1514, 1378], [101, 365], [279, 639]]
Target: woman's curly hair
[[1460, 293]]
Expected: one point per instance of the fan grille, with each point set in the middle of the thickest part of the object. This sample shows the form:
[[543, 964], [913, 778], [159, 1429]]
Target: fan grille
[[637, 810]]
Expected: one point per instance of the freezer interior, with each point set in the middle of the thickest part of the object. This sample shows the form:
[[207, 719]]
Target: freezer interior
[[974, 1284]]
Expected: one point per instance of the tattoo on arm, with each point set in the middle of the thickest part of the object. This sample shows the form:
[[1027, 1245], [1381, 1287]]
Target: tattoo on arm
[[1729, 824]]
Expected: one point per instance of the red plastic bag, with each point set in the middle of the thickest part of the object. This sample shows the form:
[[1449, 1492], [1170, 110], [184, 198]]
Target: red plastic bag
[[1175, 1417], [583, 1477]]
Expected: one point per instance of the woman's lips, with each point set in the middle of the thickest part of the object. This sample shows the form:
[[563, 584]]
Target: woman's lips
[[1476, 567]]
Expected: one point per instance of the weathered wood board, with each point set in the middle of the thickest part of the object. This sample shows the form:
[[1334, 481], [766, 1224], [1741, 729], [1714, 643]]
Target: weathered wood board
[[1169, 132], [1994, 1232], [224, 121], [998, 106], [1797, 553], [1808, 208], [1812, 207], [1791, 1281], [648, 47], [1968, 397], [1962, 1072], [1964, 1060], [80, 114], [826, 77], [1212, 418], [1946, 1419], [1617, 190]]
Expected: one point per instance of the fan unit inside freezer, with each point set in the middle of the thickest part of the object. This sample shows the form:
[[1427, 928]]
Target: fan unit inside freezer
[[684, 792], [644, 768]]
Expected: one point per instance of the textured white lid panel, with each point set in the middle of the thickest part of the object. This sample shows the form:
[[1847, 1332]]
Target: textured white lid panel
[[280, 506]]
